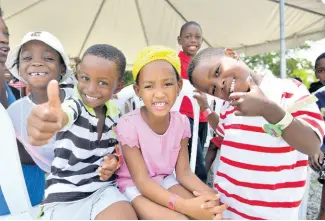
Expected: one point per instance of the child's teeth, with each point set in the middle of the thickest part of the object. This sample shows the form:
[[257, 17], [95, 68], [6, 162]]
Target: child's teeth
[[159, 104], [232, 86], [91, 98], [37, 74]]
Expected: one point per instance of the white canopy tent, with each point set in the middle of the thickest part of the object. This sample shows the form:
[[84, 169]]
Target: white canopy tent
[[251, 26]]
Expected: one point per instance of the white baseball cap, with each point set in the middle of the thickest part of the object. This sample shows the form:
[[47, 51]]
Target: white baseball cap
[[42, 36]]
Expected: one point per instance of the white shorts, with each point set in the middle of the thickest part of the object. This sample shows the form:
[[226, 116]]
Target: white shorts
[[84, 209], [132, 192]]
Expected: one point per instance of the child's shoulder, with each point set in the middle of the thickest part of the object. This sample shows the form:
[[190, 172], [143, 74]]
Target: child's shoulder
[[178, 117]]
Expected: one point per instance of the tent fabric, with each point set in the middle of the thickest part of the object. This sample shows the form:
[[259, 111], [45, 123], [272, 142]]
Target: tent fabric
[[251, 26]]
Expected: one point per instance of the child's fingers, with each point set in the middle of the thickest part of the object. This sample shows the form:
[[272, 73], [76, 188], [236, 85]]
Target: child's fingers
[[210, 204], [103, 171], [38, 135], [236, 95], [217, 217], [35, 142], [53, 94], [218, 209]]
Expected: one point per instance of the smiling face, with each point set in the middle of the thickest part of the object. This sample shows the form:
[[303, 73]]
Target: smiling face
[[220, 75], [158, 87], [39, 64], [98, 79], [190, 39]]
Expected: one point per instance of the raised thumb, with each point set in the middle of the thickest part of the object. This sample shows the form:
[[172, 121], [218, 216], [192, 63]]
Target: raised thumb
[[53, 94]]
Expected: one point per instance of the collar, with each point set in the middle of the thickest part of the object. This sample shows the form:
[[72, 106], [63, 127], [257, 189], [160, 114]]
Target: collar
[[272, 88], [111, 108], [184, 57]]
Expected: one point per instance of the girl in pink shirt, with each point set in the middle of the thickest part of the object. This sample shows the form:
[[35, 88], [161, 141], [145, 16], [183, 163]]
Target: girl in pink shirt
[[153, 141]]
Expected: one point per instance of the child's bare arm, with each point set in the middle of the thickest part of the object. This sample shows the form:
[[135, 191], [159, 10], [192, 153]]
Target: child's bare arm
[[46, 119], [211, 155], [184, 174], [153, 191]]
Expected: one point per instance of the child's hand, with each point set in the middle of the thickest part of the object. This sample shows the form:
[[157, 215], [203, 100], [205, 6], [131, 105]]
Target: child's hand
[[249, 103], [212, 206], [108, 168], [194, 206], [46, 119], [316, 161], [202, 100]]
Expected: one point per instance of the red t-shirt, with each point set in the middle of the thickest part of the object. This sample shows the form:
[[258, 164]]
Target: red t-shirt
[[186, 106]]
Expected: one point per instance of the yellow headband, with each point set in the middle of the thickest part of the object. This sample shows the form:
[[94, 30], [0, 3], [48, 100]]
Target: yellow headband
[[153, 53]]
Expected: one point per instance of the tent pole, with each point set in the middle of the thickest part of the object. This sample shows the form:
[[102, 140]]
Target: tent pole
[[282, 41]]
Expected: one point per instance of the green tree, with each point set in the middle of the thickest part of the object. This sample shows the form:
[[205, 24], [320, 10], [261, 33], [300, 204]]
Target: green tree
[[296, 67], [128, 78]]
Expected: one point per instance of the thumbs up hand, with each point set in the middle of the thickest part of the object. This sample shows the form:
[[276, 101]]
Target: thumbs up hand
[[46, 119]]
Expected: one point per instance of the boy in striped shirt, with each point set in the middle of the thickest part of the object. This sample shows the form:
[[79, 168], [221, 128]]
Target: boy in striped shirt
[[78, 187], [267, 135]]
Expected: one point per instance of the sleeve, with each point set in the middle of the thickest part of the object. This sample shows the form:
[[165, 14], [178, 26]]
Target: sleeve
[[126, 133], [310, 114], [217, 140], [72, 108], [187, 127]]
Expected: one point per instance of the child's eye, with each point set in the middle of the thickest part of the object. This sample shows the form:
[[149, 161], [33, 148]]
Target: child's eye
[[27, 58], [148, 86], [217, 71], [198, 37], [6, 33], [84, 78], [49, 58], [169, 84], [188, 37], [102, 83]]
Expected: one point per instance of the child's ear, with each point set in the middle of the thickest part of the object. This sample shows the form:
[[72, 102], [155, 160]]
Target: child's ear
[[119, 87], [180, 85], [136, 89], [179, 40], [231, 53]]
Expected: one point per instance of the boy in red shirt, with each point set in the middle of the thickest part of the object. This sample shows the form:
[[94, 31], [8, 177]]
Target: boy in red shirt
[[190, 38]]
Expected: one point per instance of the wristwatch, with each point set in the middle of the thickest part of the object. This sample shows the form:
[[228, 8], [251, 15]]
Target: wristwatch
[[172, 201], [207, 112], [275, 130]]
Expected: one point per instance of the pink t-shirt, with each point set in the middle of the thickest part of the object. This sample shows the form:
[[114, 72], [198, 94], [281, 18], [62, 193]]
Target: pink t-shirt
[[160, 152]]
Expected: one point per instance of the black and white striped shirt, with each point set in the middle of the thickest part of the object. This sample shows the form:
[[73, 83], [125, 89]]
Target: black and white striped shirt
[[79, 153]]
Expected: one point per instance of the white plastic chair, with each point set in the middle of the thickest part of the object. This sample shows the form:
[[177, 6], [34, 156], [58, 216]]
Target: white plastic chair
[[127, 100], [187, 91], [11, 175]]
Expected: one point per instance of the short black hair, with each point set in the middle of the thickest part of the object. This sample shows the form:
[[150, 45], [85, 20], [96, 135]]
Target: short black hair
[[205, 53], [188, 24], [318, 58], [108, 52]]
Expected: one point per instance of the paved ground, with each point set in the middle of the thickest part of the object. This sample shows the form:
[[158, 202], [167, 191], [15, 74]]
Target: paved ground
[[314, 197]]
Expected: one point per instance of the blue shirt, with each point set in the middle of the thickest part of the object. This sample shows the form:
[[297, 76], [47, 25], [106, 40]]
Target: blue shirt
[[33, 175], [321, 106], [11, 97], [35, 183]]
